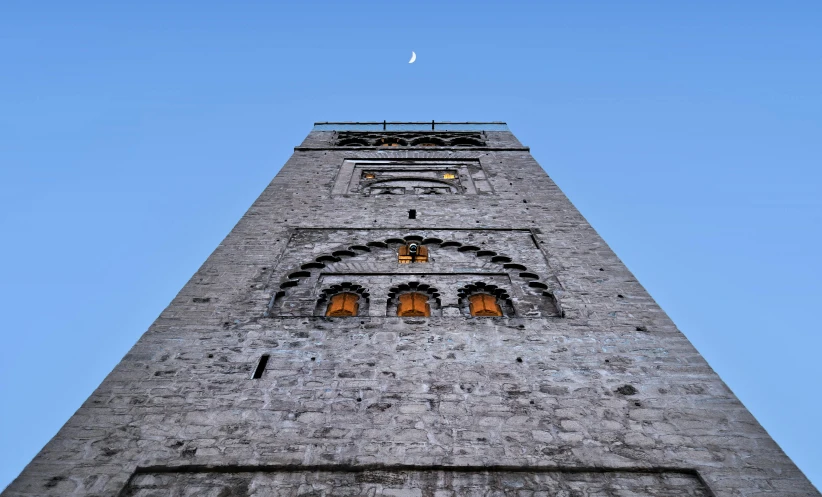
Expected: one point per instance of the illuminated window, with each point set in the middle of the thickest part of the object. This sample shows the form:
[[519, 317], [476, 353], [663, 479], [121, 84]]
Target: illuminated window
[[391, 142], [413, 252], [413, 305], [343, 304], [428, 145], [449, 176], [483, 304], [369, 175]]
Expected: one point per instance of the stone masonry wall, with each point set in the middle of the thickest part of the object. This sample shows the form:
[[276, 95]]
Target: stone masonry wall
[[609, 400]]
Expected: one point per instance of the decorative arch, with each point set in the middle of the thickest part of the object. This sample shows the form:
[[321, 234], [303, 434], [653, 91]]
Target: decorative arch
[[428, 141], [479, 299], [390, 141], [520, 272], [401, 185], [353, 142], [413, 299], [328, 305], [412, 138], [465, 142]]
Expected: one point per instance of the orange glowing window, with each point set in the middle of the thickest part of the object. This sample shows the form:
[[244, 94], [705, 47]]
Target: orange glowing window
[[449, 176], [483, 304], [412, 253], [390, 144], [369, 175], [413, 305], [343, 304]]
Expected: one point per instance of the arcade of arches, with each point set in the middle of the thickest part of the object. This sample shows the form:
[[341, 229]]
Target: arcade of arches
[[413, 304]]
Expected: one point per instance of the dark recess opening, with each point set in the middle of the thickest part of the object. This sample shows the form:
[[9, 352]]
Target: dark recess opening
[[412, 214], [258, 373]]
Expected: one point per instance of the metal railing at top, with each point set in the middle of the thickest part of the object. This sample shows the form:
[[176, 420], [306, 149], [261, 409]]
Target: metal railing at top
[[408, 126]]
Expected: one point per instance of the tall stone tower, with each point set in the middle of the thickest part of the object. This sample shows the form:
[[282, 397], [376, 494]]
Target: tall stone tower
[[412, 309]]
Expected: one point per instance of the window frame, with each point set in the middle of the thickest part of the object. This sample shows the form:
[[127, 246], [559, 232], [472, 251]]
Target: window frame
[[344, 305]]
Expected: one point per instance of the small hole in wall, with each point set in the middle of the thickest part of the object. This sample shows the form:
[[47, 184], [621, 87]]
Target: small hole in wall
[[258, 373], [412, 214], [519, 359], [524, 201], [607, 360], [620, 296], [359, 399], [601, 269], [210, 356], [637, 404], [313, 359], [641, 328], [532, 402]]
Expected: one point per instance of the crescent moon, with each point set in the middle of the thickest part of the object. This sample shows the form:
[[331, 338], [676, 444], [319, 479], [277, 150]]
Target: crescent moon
[[413, 58]]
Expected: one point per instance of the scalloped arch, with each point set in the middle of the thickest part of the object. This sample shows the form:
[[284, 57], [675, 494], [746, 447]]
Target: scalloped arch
[[519, 271]]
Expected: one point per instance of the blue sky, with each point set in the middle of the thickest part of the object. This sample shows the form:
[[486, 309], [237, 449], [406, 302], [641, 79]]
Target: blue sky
[[134, 136]]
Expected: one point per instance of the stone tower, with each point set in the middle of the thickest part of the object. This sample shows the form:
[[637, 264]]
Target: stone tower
[[412, 309]]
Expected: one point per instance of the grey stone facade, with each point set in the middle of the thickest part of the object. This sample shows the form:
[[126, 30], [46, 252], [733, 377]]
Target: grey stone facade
[[583, 388]]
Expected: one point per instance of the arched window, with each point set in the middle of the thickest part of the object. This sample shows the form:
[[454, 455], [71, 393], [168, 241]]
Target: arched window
[[483, 304], [355, 142], [466, 142], [343, 304], [391, 142], [413, 305], [427, 141], [480, 299], [413, 252]]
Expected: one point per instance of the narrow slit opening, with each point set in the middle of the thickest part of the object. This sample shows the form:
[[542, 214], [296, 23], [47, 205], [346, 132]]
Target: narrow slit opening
[[258, 373], [412, 214]]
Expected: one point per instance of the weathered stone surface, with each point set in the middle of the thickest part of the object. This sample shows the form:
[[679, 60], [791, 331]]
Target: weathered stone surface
[[417, 483], [583, 387]]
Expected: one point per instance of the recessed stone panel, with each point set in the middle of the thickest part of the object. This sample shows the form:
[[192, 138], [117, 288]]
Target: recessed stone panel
[[371, 177], [460, 258], [416, 483]]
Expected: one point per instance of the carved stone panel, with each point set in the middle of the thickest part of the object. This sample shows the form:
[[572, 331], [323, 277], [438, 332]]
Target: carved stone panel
[[412, 483], [437, 177], [505, 261]]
